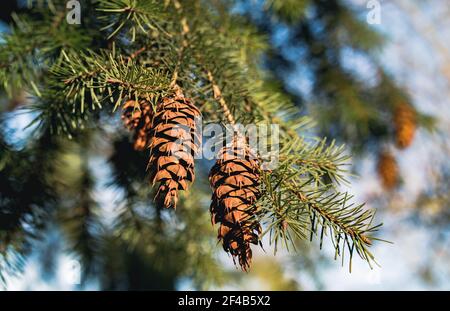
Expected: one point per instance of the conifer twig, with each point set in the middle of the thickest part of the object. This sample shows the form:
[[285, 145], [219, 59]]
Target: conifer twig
[[185, 29], [218, 96], [352, 232], [136, 53]]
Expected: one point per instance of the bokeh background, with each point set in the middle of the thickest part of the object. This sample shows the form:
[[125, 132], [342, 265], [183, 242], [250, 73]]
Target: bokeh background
[[414, 52]]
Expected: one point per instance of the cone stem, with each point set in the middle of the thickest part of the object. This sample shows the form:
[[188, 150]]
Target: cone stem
[[218, 96], [184, 32]]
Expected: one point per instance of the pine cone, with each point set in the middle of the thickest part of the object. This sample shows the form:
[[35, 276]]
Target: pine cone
[[173, 144], [137, 117], [235, 182], [388, 170], [405, 125]]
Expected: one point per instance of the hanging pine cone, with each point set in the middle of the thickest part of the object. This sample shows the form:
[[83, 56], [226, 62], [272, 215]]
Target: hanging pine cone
[[173, 144], [235, 182], [137, 117], [405, 125], [388, 170]]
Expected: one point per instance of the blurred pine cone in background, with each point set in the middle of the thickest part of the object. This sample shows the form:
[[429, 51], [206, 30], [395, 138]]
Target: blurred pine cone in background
[[405, 125], [388, 170]]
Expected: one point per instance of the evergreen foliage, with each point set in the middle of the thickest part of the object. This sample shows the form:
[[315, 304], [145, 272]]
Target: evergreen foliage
[[78, 77]]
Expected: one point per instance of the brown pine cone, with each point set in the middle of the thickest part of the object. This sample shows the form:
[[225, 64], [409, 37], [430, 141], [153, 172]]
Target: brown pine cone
[[388, 170], [137, 117], [173, 143], [405, 125], [235, 182]]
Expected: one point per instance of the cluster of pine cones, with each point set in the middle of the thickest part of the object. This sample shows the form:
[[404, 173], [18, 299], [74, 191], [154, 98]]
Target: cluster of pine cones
[[170, 134], [405, 124]]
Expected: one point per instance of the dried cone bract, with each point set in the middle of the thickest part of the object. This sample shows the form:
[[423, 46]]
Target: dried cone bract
[[173, 143], [405, 125], [137, 117], [235, 182], [388, 170]]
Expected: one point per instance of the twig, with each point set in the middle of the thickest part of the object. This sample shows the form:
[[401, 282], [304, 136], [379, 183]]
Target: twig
[[136, 53], [184, 44], [218, 96], [126, 84]]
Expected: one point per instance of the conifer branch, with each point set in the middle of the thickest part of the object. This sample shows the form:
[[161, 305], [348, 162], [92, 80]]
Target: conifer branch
[[131, 16], [348, 225], [95, 78]]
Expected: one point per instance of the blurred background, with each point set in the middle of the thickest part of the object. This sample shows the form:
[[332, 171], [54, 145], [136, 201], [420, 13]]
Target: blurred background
[[378, 83]]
